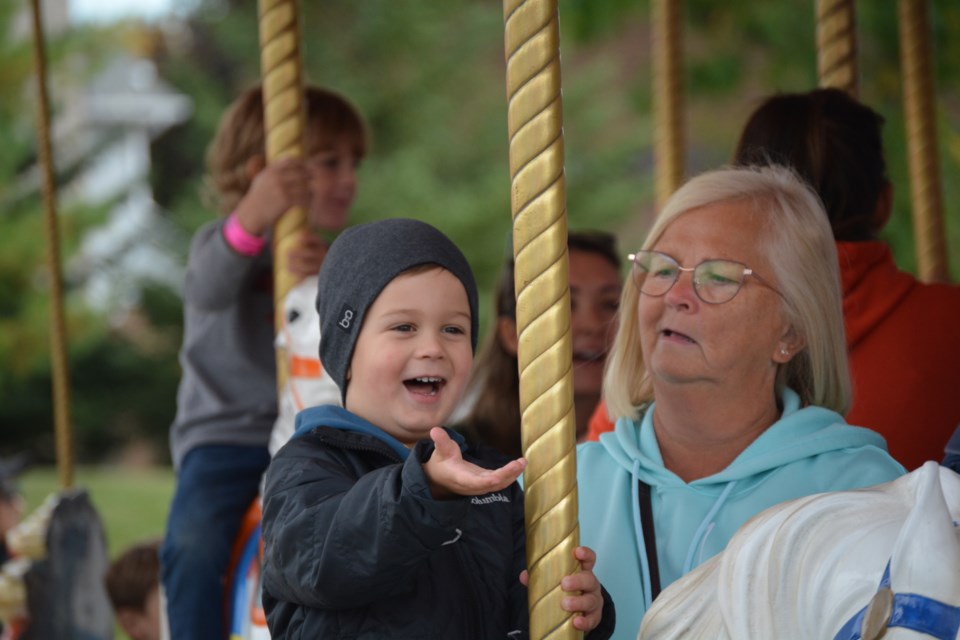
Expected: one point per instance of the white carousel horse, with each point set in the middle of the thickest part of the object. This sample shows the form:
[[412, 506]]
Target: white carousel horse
[[307, 384], [877, 562]]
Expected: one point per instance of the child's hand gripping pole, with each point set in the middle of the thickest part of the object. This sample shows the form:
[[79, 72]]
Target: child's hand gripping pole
[[584, 596]]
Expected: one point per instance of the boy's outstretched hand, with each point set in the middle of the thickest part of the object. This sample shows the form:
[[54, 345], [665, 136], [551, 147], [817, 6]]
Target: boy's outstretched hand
[[588, 603], [450, 475]]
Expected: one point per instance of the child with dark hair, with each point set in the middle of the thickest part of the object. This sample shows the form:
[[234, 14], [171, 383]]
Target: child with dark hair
[[378, 522], [227, 400], [133, 585]]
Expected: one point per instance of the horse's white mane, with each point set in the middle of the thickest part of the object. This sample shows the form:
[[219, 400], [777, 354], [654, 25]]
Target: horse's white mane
[[803, 568]]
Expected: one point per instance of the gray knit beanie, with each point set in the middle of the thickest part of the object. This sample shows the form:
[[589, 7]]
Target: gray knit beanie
[[360, 263]]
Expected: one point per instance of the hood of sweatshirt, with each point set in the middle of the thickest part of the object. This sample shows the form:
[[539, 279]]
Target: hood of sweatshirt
[[800, 433], [336, 417], [872, 287]]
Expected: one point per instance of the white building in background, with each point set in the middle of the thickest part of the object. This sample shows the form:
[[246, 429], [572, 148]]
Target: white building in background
[[103, 130], [117, 116]]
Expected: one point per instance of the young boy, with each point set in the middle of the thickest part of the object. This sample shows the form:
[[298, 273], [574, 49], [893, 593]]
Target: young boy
[[133, 584], [376, 523]]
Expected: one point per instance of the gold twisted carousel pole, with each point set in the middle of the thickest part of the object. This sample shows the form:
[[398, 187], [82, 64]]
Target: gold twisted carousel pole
[[28, 539], [918, 93], [281, 74], [666, 24], [538, 200], [837, 45], [58, 332]]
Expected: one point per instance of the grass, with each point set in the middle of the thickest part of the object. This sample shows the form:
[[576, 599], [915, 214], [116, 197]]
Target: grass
[[132, 503]]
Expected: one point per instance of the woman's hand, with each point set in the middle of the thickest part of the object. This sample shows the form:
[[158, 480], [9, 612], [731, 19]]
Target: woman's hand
[[586, 597], [450, 475]]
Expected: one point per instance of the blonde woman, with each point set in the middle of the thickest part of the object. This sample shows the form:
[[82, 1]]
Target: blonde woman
[[728, 380]]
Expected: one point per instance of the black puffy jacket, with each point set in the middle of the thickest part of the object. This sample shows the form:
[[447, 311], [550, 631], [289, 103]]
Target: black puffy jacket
[[356, 547]]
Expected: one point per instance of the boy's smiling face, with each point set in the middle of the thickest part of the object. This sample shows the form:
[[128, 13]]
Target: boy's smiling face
[[413, 355]]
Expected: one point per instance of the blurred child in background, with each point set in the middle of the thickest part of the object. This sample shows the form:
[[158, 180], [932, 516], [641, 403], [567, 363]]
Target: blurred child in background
[[493, 399], [227, 400], [133, 585]]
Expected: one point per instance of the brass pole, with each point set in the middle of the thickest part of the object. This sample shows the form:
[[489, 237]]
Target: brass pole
[[281, 73], [837, 45], [58, 332], [538, 200], [918, 93], [668, 156]]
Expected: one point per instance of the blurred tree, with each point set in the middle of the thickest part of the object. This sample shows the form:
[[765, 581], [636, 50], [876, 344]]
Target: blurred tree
[[429, 76], [121, 374]]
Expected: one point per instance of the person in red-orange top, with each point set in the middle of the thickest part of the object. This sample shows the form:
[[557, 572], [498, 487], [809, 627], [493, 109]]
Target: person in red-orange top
[[901, 334], [600, 422]]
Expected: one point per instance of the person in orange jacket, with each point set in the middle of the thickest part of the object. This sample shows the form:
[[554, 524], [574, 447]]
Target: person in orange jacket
[[901, 334]]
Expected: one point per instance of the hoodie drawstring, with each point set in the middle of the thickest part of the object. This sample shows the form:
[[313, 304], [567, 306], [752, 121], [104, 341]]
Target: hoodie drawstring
[[641, 543], [700, 535]]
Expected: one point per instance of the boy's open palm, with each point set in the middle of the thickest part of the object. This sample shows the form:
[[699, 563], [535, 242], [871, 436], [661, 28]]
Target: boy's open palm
[[450, 475]]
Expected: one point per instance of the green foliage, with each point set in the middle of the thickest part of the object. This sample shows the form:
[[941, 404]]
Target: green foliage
[[585, 20], [429, 76], [119, 395]]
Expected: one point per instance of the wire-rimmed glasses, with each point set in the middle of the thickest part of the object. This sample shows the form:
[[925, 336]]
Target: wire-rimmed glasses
[[714, 281]]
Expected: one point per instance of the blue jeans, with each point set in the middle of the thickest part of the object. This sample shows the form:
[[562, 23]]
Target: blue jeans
[[216, 484]]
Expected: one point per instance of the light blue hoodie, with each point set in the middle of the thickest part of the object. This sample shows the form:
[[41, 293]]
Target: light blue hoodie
[[809, 450]]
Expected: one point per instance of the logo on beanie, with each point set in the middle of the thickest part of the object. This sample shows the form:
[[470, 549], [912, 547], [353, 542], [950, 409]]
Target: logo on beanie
[[346, 318]]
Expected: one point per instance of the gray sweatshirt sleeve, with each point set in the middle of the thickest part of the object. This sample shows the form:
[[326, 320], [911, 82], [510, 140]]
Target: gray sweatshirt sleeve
[[215, 272]]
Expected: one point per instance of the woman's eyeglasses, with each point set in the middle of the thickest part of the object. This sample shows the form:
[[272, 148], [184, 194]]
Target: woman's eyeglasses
[[714, 281]]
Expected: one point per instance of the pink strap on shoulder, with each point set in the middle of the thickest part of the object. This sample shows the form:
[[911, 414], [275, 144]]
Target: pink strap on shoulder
[[241, 240]]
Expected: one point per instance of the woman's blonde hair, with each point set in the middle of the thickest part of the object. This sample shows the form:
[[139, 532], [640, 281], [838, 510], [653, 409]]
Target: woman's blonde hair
[[240, 136], [799, 245]]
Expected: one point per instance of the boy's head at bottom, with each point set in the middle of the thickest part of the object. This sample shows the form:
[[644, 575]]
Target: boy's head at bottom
[[398, 324], [133, 585]]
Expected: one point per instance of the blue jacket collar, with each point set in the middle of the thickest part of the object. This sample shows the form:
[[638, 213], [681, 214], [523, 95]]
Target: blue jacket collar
[[329, 415]]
